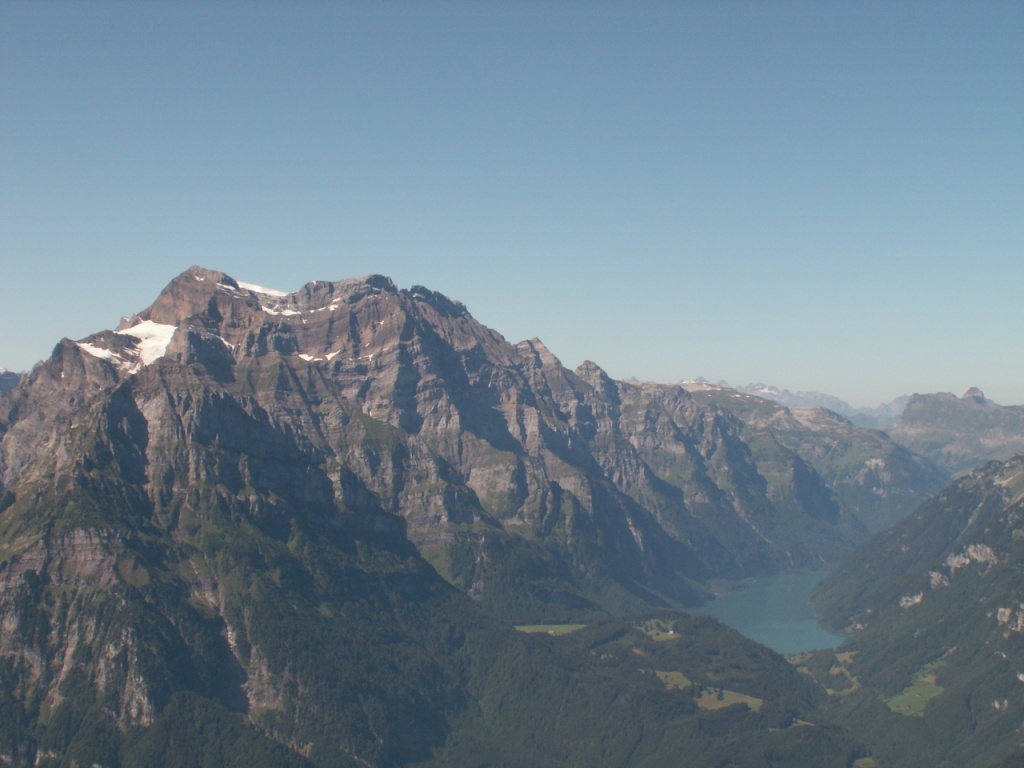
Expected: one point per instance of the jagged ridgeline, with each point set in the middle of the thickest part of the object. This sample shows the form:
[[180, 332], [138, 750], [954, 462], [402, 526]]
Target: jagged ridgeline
[[546, 493], [290, 528], [961, 433], [933, 673]]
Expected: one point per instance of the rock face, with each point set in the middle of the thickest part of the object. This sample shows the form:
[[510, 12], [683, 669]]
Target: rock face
[[9, 380], [961, 433], [505, 468], [201, 501], [224, 526], [866, 479]]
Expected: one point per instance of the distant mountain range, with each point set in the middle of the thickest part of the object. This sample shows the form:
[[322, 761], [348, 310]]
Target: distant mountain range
[[863, 468], [883, 416], [960, 433], [957, 433]]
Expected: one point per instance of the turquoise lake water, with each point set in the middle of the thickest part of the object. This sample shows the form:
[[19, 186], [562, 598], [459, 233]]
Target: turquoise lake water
[[774, 611]]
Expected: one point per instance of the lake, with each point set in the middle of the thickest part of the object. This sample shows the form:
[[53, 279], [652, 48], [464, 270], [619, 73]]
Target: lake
[[774, 611]]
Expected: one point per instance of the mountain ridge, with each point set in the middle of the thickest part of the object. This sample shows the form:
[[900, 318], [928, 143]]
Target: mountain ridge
[[513, 441], [296, 529], [961, 433], [883, 416]]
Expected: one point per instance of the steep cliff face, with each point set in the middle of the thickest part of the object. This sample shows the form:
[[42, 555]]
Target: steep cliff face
[[119, 603], [961, 433], [194, 506], [9, 379], [857, 478], [507, 468]]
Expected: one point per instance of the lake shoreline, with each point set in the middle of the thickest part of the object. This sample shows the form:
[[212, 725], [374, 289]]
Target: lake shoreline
[[773, 610]]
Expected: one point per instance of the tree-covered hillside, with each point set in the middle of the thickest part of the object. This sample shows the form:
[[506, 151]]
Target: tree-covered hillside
[[932, 673]]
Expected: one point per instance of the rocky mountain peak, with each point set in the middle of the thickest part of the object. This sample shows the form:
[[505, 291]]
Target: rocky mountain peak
[[593, 374], [820, 418], [974, 394], [465, 427], [537, 351], [381, 282], [960, 433], [439, 302], [196, 292]]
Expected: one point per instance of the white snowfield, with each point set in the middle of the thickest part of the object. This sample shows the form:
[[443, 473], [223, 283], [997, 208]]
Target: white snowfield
[[287, 312], [154, 337], [153, 340], [102, 354], [260, 289]]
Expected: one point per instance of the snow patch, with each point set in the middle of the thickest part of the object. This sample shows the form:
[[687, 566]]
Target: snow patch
[[287, 312], [102, 354], [699, 385], [153, 339], [259, 289]]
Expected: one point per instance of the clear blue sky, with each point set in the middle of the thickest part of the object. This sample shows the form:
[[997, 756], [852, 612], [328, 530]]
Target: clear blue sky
[[818, 195]]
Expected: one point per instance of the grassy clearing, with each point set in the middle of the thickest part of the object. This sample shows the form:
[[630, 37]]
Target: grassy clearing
[[831, 671], [709, 698], [912, 700], [718, 698], [842, 673], [658, 630], [674, 679], [551, 629]]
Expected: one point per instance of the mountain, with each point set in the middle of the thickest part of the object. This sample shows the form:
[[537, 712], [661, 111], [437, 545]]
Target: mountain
[[883, 416], [9, 379], [256, 528], [869, 481], [956, 433], [933, 672], [961, 433], [545, 493]]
